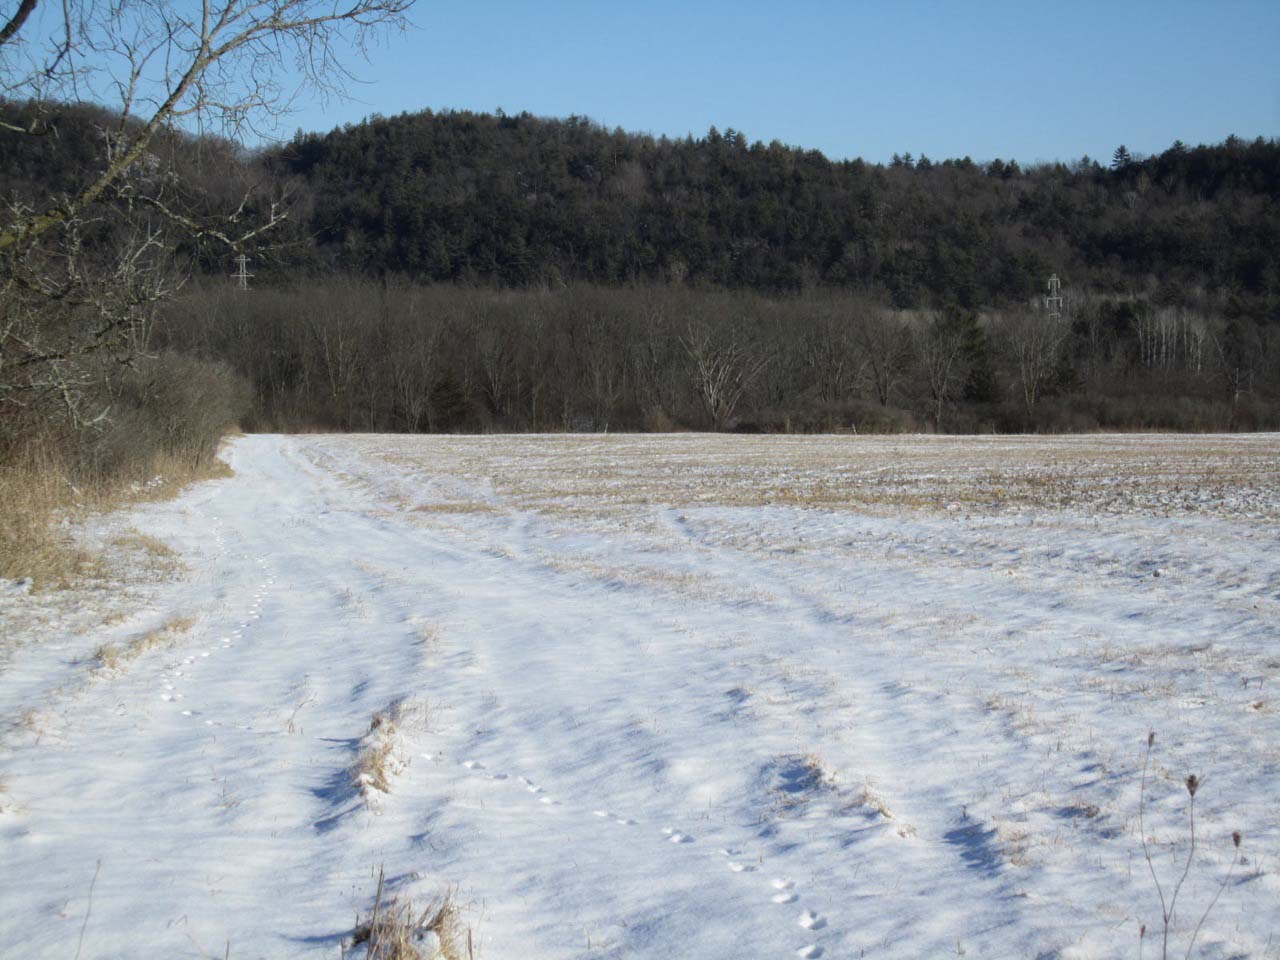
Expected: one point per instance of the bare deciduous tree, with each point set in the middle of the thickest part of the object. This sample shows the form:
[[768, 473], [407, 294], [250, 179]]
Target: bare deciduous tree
[[886, 345], [71, 311], [1036, 340], [830, 357], [939, 346], [723, 368]]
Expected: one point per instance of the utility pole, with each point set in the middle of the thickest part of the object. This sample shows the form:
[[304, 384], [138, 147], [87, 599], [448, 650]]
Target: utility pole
[[242, 273], [1053, 301]]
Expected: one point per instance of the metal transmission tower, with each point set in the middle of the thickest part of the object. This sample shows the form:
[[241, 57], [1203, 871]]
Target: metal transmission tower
[[242, 273], [1053, 300]]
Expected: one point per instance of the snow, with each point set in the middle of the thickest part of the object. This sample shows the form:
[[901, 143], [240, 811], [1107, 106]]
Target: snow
[[668, 696]]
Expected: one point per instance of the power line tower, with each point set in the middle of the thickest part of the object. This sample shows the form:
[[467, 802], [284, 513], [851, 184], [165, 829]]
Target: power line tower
[[242, 273], [1053, 300]]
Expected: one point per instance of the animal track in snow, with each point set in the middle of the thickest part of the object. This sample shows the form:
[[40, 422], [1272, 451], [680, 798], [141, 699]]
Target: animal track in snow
[[786, 890], [810, 952], [741, 867], [811, 921]]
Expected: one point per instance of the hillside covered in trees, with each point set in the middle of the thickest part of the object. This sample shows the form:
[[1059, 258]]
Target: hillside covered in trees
[[459, 271], [520, 201]]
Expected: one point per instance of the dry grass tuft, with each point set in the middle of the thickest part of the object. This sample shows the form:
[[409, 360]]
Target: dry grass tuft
[[379, 759], [135, 540], [398, 931], [111, 657], [871, 800]]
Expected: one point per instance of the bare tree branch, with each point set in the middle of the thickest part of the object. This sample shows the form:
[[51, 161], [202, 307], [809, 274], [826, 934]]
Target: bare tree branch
[[15, 23]]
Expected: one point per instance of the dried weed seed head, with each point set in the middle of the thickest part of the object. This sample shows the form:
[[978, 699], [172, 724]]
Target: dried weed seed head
[[1235, 838], [1193, 784]]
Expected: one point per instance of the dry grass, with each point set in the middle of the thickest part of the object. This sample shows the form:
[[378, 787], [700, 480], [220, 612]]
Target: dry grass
[[379, 758], [399, 931], [115, 656], [31, 547], [471, 506], [36, 494], [134, 540], [869, 799], [1159, 475], [135, 555], [679, 582]]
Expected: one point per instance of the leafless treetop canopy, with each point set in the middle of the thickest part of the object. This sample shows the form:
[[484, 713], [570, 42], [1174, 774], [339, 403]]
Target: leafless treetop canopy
[[211, 65]]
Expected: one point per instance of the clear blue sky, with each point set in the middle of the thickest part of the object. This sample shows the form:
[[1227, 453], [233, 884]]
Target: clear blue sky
[[1029, 80]]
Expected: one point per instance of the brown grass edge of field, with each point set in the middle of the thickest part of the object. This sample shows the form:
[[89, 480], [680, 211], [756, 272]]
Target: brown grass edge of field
[[37, 494]]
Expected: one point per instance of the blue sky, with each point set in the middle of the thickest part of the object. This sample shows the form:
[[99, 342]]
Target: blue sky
[[1030, 80]]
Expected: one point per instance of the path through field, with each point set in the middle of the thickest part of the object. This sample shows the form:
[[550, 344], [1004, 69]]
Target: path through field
[[660, 711]]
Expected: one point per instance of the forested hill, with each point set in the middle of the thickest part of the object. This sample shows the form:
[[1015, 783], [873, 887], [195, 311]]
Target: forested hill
[[520, 200], [523, 201]]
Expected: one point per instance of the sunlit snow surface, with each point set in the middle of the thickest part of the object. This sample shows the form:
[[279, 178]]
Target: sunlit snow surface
[[686, 696]]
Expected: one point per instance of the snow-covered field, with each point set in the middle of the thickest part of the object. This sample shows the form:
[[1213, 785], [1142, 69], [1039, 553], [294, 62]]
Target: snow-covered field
[[685, 696]]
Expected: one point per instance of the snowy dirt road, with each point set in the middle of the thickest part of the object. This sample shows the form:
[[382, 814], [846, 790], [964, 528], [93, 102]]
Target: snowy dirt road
[[678, 697]]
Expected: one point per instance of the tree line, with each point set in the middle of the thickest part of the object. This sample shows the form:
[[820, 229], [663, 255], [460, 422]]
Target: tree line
[[459, 271], [351, 353]]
